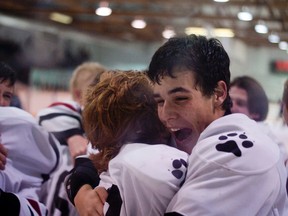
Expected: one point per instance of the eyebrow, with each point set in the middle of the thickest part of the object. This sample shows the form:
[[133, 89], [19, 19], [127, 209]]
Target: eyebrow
[[178, 89], [173, 91]]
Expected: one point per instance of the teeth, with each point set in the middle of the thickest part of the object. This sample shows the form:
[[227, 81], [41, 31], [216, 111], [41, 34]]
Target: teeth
[[174, 129]]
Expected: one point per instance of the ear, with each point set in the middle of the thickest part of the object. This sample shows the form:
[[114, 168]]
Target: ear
[[220, 93], [77, 95]]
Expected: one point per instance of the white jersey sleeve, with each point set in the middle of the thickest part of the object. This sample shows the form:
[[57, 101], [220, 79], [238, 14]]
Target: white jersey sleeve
[[32, 151], [33, 154]]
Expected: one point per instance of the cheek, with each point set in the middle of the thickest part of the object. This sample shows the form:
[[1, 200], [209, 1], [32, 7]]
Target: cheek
[[235, 108], [192, 114], [4, 102]]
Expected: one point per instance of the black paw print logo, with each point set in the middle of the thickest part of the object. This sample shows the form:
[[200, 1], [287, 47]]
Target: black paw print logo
[[231, 145], [178, 172]]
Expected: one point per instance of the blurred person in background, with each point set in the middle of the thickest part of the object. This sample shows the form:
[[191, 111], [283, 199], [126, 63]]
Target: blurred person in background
[[285, 102], [285, 109], [33, 156], [249, 97], [28, 155], [64, 120], [7, 84], [8, 78]]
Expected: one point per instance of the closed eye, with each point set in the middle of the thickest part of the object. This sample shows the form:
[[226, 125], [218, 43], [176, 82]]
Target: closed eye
[[8, 96], [180, 99]]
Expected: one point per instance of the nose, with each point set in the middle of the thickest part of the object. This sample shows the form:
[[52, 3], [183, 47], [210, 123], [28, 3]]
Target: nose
[[167, 113]]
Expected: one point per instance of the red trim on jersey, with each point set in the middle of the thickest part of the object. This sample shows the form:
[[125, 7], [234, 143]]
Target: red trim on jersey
[[63, 104], [35, 206]]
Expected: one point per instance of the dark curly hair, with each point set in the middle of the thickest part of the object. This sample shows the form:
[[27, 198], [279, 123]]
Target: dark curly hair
[[206, 58], [7, 74]]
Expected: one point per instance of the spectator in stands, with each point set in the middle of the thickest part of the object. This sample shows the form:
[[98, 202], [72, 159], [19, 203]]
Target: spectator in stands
[[248, 97], [28, 155], [7, 82]]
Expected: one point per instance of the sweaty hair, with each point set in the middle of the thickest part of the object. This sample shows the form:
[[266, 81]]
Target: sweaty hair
[[119, 110], [257, 99], [206, 58], [7, 74]]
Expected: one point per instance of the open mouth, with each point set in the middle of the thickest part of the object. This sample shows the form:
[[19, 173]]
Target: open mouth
[[182, 134]]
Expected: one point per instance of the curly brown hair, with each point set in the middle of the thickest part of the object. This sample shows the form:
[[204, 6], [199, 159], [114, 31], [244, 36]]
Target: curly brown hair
[[120, 110]]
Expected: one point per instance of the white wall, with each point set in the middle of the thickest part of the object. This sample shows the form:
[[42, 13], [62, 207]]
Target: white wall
[[255, 62]]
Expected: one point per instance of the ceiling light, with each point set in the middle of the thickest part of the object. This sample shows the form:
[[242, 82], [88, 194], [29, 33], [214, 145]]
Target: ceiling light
[[221, 0], [261, 28], [244, 16], [283, 45], [138, 23], [273, 38], [103, 9], [223, 32], [196, 30], [168, 32], [61, 18]]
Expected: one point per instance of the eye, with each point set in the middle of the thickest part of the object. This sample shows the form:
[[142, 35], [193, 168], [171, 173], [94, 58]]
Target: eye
[[241, 103], [181, 99], [8, 96]]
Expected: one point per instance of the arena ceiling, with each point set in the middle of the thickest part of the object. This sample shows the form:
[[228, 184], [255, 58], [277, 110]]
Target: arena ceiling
[[158, 14]]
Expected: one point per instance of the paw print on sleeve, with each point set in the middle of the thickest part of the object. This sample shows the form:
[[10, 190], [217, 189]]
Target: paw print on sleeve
[[178, 171], [230, 144]]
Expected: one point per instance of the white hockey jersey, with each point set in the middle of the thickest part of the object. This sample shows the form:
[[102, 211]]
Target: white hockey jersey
[[234, 169], [63, 120], [147, 177], [33, 154]]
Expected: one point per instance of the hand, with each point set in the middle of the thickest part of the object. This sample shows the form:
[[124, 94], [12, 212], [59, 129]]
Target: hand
[[89, 201], [102, 195], [77, 145], [3, 155]]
